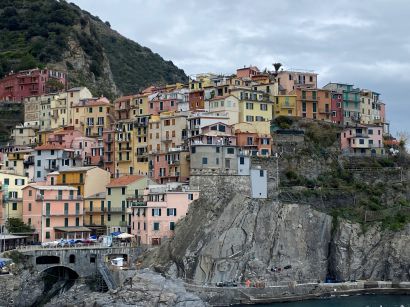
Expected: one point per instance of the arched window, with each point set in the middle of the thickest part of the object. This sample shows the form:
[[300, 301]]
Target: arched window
[[71, 259]]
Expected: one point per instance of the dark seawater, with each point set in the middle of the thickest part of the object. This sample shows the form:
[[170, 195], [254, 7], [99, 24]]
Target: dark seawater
[[350, 301]]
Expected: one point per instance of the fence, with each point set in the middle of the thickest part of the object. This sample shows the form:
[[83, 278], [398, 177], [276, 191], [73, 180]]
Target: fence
[[371, 216]]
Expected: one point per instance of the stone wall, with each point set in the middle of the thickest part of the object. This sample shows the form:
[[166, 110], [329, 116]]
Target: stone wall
[[83, 264]]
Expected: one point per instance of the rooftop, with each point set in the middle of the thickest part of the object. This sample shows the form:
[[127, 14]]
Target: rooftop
[[124, 181]]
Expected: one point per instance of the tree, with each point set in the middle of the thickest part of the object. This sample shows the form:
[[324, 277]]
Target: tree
[[16, 225], [54, 85]]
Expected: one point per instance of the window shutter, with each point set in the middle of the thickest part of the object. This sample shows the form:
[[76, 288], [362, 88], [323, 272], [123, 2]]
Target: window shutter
[[167, 212], [159, 212], [153, 212], [175, 212]]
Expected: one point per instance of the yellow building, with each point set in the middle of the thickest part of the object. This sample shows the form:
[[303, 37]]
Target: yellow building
[[12, 186], [140, 135], [14, 162], [254, 106], [124, 164], [59, 112], [95, 213], [285, 105], [120, 194], [92, 116], [200, 81], [88, 180]]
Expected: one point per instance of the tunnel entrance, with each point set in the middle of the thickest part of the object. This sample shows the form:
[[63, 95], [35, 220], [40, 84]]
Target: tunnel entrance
[[56, 280]]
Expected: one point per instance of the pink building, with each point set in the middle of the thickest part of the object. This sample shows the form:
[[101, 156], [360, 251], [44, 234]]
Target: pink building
[[154, 219], [364, 140], [247, 72], [337, 108], [64, 137], [54, 211], [162, 102], [26, 83]]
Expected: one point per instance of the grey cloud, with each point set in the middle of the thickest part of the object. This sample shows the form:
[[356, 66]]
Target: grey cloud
[[362, 42]]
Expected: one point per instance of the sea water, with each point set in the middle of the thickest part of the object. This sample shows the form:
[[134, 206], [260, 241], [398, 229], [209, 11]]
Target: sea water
[[350, 301]]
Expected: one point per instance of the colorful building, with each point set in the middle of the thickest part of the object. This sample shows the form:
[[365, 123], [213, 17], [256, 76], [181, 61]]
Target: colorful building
[[12, 191], [95, 213], [54, 211], [251, 141], [285, 105], [362, 140], [291, 80], [155, 216], [87, 180], [313, 103], [120, 192], [34, 82], [92, 116]]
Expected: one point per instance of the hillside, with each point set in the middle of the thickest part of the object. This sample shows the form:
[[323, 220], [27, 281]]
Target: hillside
[[60, 35]]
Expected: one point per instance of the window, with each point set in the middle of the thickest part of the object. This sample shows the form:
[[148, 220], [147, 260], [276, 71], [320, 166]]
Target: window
[[230, 150], [249, 118], [264, 107], [47, 222], [249, 106], [47, 235], [29, 206], [171, 225], [38, 162], [156, 212], [261, 173], [204, 160], [29, 221], [65, 208], [259, 118], [66, 222], [156, 226], [361, 141], [77, 221], [108, 217], [100, 109], [71, 259], [191, 196], [81, 178], [14, 206], [109, 205], [370, 131], [217, 149], [171, 212], [241, 160], [109, 191], [123, 191], [6, 181]]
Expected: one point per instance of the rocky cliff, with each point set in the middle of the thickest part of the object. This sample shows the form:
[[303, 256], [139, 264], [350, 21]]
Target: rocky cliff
[[237, 238]]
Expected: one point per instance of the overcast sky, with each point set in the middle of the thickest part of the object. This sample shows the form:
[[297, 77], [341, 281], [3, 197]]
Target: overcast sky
[[365, 43]]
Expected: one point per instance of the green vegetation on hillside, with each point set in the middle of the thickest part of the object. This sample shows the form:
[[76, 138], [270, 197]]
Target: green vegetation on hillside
[[360, 189], [39, 33]]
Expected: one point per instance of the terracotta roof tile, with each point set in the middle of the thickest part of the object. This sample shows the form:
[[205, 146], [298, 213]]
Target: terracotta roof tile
[[49, 147], [124, 181]]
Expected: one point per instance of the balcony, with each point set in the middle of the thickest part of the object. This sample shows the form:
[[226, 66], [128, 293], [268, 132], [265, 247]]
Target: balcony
[[95, 210], [174, 162], [70, 197], [166, 139], [116, 210]]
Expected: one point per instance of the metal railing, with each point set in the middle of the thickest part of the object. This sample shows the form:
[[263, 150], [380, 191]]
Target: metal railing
[[106, 275]]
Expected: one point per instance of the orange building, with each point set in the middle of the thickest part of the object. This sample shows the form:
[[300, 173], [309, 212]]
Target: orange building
[[313, 103]]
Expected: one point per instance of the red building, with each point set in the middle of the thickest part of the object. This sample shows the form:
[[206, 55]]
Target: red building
[[196, 100], [26, 83], [337, 108]]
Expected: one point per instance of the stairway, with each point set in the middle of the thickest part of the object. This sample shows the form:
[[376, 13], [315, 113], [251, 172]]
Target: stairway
[[106, 275]]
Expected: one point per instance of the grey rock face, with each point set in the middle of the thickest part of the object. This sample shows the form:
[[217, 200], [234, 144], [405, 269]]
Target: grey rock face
[[237, 238], [370, 255], [143, 289]]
